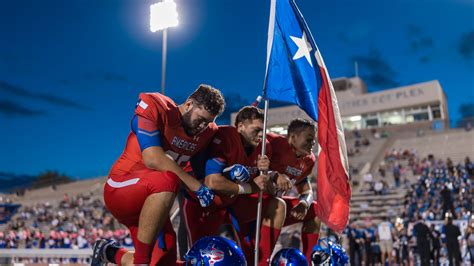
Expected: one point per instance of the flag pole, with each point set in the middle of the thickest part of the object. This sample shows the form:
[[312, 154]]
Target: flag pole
[[260, 193], [271, 21]]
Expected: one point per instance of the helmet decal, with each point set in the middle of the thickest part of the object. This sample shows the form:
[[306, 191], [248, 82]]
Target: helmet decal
[[213, 253]]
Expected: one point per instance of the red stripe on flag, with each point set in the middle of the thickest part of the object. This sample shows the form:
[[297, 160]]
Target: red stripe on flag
[[334, 191]]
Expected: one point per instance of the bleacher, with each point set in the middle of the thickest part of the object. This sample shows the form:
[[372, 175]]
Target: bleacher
[[363, 161], [368, 205], [455, 144], [48, 194]]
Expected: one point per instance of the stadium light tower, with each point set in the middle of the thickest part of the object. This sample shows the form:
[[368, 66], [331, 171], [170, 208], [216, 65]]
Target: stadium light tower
[[163, 15]]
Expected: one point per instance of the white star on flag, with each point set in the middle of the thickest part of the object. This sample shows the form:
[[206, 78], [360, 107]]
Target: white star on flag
[[303, 48]]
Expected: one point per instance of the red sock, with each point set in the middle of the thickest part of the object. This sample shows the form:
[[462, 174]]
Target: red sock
[[119, 255], [268, 239], [142, 252], [309, 240]]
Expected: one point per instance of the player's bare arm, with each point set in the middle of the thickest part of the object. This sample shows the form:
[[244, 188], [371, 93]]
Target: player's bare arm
[[221, 185], [155, 158], [228, 184], [283, 182], [306, 197], [260, 183]]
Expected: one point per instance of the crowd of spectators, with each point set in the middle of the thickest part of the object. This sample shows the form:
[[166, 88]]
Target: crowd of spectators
[[442, 187], [416, 243], [71, 223], [443, 192], [378, 187]]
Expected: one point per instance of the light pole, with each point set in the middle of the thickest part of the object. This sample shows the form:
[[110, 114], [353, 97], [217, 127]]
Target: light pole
[[162, 16]]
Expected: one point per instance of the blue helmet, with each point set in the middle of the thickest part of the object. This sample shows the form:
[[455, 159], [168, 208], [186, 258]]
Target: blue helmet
[[215, 251], [328, 252], [289, 257], [320, 256]]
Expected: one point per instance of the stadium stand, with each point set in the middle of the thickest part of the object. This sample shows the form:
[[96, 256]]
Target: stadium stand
[[423, 174]]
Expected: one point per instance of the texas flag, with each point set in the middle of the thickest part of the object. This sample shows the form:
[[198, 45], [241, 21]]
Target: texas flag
[[296, 74]]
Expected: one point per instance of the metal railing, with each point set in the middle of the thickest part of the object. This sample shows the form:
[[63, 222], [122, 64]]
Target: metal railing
[[46, 253]]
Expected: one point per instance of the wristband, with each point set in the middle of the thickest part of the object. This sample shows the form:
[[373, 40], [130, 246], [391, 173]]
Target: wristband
[[244, 188], [304, 203], [306, 198]]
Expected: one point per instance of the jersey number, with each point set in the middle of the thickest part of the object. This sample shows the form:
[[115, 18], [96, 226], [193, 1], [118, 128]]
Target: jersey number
[[180, 159]]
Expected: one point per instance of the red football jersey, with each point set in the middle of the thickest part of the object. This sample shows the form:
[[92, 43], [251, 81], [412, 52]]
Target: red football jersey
[[284, 159], [227, 146], [162, 114]]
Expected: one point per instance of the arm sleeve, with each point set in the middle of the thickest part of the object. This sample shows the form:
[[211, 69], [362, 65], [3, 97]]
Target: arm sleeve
[[146, 131], [147, 124], [214, 166]]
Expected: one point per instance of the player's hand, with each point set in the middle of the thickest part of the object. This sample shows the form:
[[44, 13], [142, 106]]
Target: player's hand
[[299, 211], [261, 181], [271, 188], [283, 182], [204, 195], [263, 163], [237, 173]]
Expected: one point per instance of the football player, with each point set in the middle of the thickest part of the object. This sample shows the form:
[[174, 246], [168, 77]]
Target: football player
[[234, 156], [291, 164], [294, 160], [143, 182]]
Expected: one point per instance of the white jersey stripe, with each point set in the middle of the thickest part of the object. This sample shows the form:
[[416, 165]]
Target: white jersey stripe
[[127, 183]]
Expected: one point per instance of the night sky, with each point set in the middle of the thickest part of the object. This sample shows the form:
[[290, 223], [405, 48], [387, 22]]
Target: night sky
[[71, 71]]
